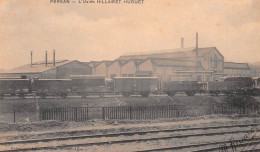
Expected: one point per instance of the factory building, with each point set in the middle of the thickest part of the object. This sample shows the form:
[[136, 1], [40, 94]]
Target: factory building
[[49, 70], [114, 68], [130, 67], [237, 69], [183, 64], [202, 64], [100, 68]]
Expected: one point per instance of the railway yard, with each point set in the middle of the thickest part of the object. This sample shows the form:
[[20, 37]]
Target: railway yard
[[199, 134], [87, 78], [182, 118], [191, 133]]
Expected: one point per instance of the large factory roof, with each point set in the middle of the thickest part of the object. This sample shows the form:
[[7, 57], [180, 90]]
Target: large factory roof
[[233, 65], [38, 67], [171, 53], [171, 62]]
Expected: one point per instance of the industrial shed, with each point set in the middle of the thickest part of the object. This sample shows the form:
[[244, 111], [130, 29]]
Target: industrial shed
[[101, 68], [236, 69], [202, 64], [60, 70]]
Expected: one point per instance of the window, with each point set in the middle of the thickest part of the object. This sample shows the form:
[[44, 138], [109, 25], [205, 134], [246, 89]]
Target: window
[[214, 61]]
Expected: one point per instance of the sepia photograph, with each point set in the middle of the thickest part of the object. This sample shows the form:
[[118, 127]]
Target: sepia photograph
[[130, 75]]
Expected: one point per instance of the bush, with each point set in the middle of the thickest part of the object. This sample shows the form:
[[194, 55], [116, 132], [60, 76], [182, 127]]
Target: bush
[[242, 101]]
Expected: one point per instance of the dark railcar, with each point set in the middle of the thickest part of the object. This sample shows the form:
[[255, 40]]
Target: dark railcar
[[109, 85], [131, 85], [188, 87], [246, 82], [51, 87], [19, 87], [85, 85], [226, 87]]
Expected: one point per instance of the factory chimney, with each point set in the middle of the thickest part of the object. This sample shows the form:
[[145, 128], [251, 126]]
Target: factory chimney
[[31, 59], [196, 50], [46, 58], [182, 42], [53, 57], [197, 40]]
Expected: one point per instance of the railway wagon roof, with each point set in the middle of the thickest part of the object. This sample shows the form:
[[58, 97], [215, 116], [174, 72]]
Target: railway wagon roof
[[135, 78], [53, 79], [86, 77], [14, 79]]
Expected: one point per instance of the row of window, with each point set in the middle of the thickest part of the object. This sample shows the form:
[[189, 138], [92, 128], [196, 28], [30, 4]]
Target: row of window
[[236, 71], [123, 75]]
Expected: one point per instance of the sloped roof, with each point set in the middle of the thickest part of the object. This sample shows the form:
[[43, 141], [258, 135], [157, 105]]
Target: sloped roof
[[38, 67], [108, 62], [171, 62], [161, 54], [120, 62], [136, 61], [172, 53], [86, 63], [234, 65], [93, 63], [97, 63]]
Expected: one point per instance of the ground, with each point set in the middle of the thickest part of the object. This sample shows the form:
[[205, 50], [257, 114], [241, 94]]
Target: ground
[[25, 109], [97, 126], [28, 127]]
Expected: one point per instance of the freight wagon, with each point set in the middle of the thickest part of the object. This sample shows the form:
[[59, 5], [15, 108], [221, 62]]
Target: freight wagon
[[51, 87], [188, 87], [246, 82], [226, 87], [135, 85], [85, 85], [13, 87]]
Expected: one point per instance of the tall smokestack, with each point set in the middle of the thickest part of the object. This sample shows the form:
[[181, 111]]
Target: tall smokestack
[[46, 56], [196, 52], [53, 57], [31, 58], [182, 42], [197, 40]]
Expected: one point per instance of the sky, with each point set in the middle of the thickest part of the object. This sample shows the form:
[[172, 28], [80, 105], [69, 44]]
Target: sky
[[87, 32]]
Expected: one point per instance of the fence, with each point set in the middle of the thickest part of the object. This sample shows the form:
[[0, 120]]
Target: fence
[[223, 108], [228, 109], [145, 112], [64, 114]]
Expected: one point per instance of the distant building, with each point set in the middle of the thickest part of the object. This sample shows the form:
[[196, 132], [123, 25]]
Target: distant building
[[130, 67], [184, 64], [101, 68], [114, 68], [202, 64], [237, 69], [60, 70]]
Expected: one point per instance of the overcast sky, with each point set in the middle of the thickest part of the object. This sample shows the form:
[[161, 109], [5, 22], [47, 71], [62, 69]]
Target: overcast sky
[[88, 32]]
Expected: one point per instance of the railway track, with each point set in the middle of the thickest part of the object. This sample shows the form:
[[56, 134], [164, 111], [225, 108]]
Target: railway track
[[127, 137], [255, 141]]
